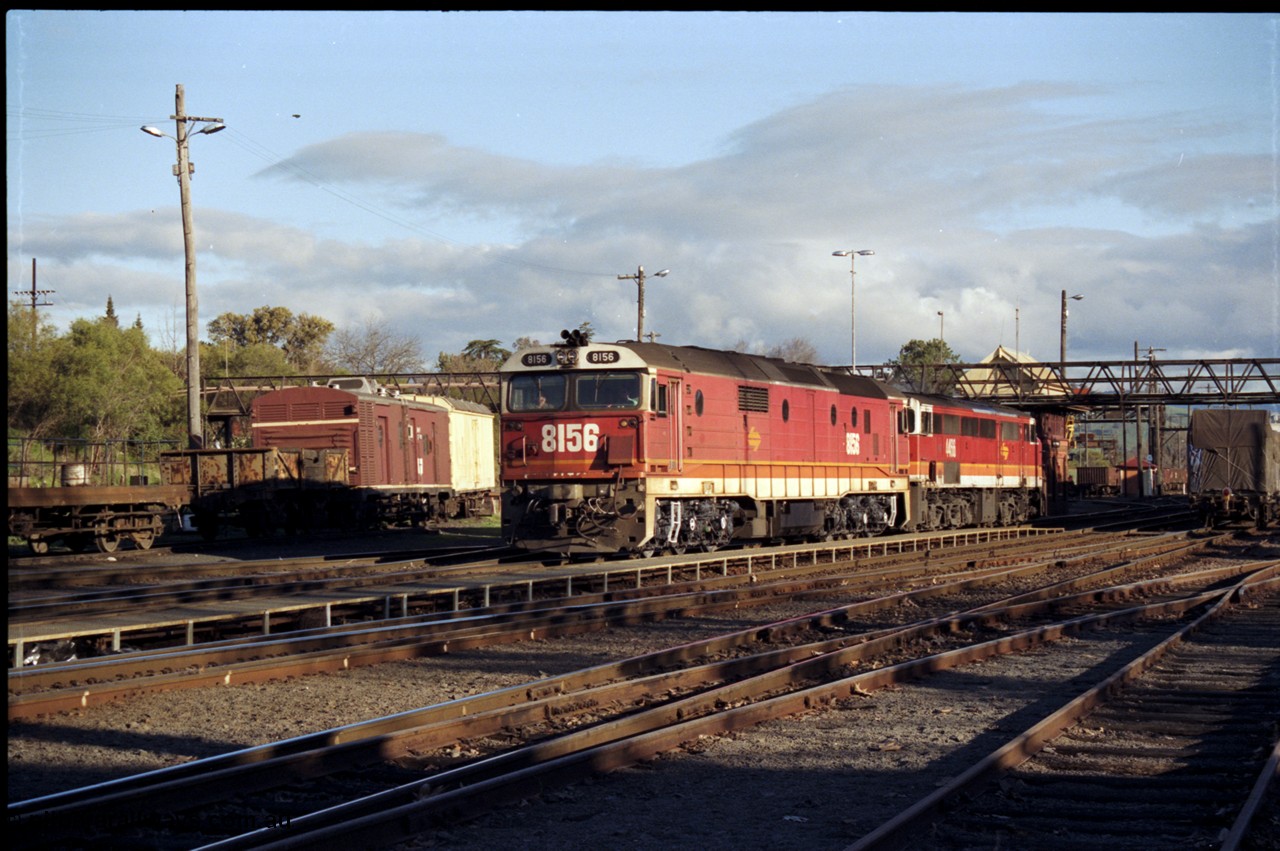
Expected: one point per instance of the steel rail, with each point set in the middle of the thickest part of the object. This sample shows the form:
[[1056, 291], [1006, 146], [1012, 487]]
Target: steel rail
[[899, 831], [402, 812], [35, 691], [436, 726]]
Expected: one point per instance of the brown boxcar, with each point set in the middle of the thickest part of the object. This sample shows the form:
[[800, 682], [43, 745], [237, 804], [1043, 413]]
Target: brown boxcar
[[412, 459]]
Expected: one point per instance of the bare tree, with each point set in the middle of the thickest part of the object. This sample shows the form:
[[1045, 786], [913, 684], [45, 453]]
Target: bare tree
[[374, 349], [796, 350]]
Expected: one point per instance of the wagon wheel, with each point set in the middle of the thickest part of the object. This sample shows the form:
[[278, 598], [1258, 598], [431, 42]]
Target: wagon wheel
[[144, 538], [107, 542], [38, 546]]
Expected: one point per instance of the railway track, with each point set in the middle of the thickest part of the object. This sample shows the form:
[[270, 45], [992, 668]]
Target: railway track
[[274, 600], [54, 687], [1176, 750], [568, 727]]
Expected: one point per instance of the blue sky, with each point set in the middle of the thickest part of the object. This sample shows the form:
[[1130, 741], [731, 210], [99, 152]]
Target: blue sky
[[488, 175]]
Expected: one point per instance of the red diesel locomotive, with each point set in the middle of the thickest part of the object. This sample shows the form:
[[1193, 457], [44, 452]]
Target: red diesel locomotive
[[640, 447]]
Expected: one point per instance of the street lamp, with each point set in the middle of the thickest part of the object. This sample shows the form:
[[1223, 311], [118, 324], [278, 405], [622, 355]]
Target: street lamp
[[941, 336], [1062, 349], [853, 254], [639, 277], [183, 170]]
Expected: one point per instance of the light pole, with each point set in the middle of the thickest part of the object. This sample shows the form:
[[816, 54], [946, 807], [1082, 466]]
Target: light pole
[[639, 277], [853, 254], [941, 334], [195, 427], [1062, 350]]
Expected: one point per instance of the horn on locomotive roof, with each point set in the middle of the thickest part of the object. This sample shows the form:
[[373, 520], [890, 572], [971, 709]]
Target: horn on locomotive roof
[[575, 338]]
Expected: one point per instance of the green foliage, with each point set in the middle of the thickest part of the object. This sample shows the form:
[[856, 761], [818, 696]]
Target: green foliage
[[917, 366], [476, 356], [98, 382], [253, 359], [32, 375], [301, 338]]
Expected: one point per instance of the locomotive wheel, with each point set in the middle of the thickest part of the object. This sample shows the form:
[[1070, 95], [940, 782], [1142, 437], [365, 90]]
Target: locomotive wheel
[[144, 538], [107, 543]]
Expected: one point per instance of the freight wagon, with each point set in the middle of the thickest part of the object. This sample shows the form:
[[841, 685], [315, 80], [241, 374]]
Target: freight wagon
[[349, 454], [1233, 466]]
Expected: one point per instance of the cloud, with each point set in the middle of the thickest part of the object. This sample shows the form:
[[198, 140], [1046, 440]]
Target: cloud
[[981, 203]]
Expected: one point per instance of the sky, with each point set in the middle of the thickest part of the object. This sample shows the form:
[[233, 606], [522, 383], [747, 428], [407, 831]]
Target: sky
[[459, 176]]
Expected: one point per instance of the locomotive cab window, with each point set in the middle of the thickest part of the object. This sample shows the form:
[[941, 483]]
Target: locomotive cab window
[[608, 390], [544, 392]]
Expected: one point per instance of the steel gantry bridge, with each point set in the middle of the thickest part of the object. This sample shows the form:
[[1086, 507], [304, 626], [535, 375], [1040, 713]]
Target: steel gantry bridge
[[1079, 385], [1100, 384]]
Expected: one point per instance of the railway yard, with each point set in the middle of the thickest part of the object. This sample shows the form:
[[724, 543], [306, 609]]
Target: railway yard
[[1114, 685]]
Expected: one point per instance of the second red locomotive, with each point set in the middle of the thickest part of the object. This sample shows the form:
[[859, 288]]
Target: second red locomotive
[[640, 447]]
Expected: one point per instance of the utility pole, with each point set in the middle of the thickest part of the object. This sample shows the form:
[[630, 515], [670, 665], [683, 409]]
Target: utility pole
[[195, 423], [639, 277], [35, 296]]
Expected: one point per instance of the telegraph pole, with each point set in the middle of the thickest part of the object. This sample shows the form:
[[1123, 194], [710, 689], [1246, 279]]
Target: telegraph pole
[[195, 423], [34, 294], [639, 277]]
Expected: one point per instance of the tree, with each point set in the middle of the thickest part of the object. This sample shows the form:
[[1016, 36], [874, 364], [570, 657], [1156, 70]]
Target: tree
[[795, 350], [255, 359], [476, 356], [302, 338], [374, 349], [32, 375], [113, 386], [918, 366]]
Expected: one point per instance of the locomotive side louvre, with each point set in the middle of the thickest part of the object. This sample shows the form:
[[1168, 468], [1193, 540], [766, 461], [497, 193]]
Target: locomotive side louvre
[[641, 447]]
